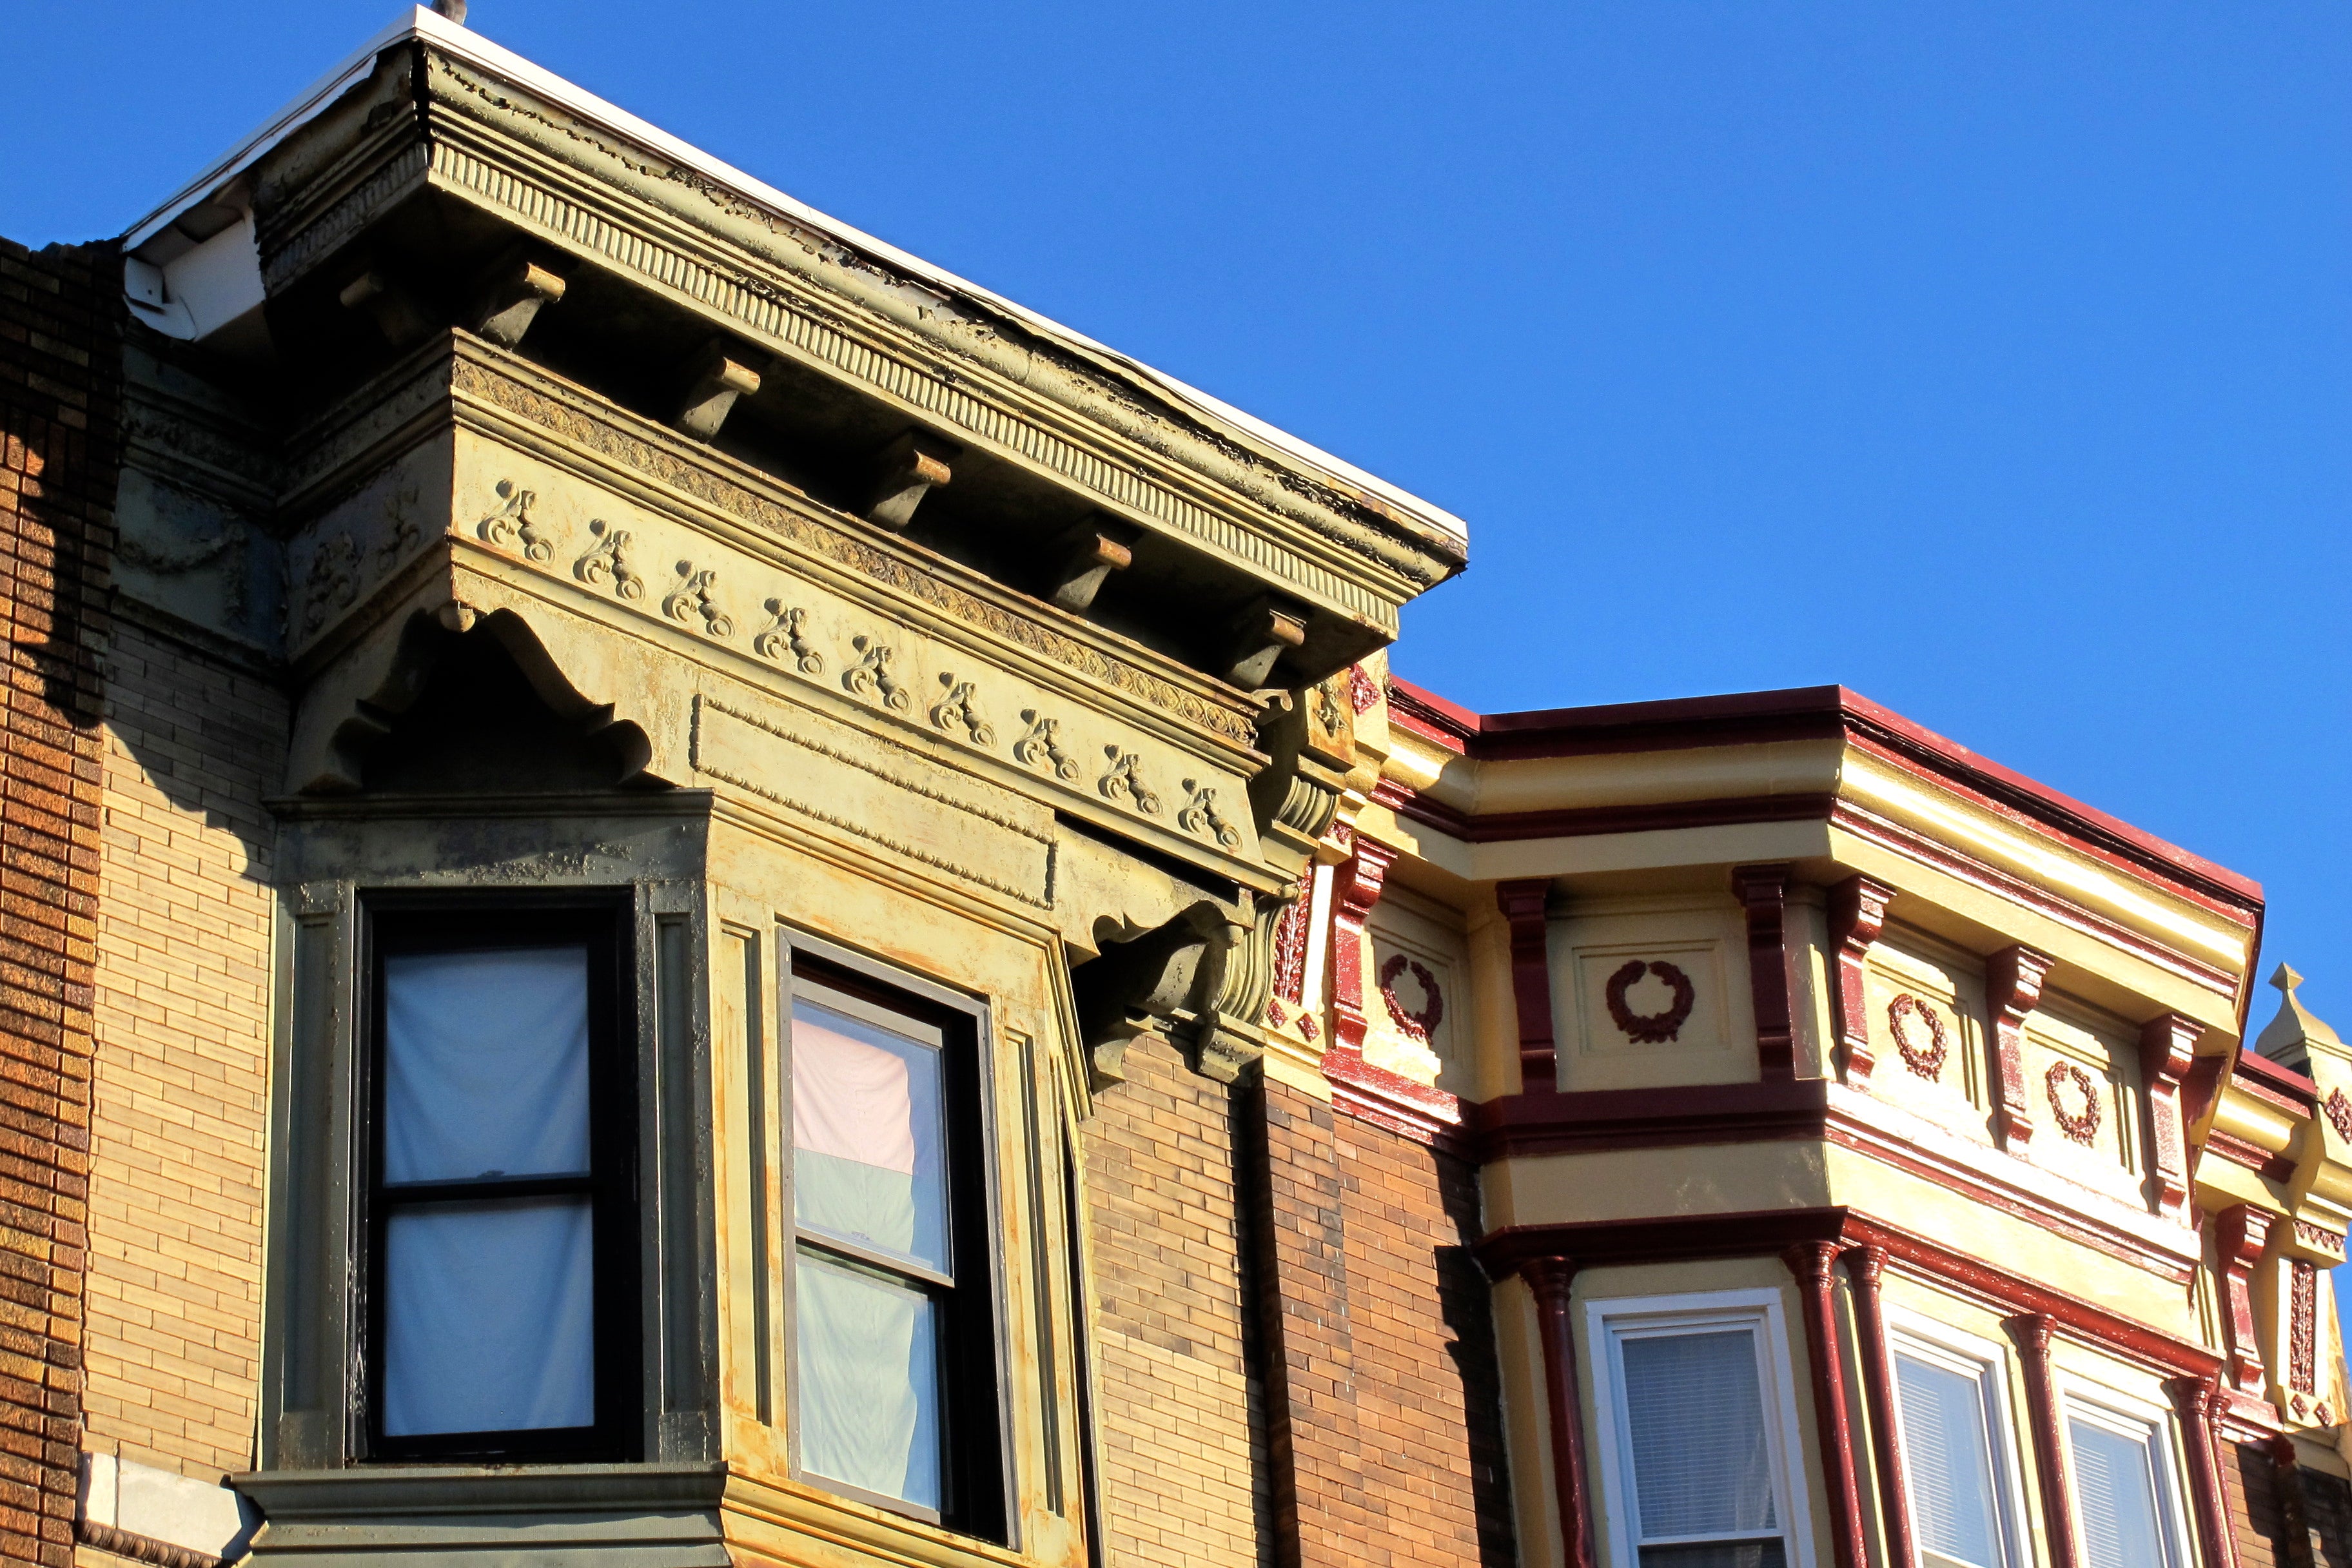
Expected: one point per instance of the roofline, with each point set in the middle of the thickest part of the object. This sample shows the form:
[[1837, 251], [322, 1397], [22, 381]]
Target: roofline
[[430, 27], [1805, 712]]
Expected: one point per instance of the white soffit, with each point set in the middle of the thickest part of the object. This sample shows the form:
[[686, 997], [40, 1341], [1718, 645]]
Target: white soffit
[[422, 22]]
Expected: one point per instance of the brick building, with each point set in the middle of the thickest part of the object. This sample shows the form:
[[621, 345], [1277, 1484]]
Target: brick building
[[680, 892]]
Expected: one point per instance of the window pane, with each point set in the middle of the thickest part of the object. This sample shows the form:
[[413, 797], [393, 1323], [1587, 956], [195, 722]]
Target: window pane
[[1745, 1554], [1701, 1464], [2115, 1491], [867, 1138], [489, 1317], [1947, 1452], [486, 1064], [870, 1381]]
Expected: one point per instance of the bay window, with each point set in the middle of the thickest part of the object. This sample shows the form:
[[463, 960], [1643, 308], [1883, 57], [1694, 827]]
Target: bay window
[[896, 1381], [1957, 1449], [1697, 1431], [2126, 1507], [500, 1272]]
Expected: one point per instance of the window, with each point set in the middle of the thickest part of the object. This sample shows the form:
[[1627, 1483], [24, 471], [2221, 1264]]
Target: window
[[1699, 1426], [1957, 1456], [500, 1291], [2125, 1509], [896, 1378]]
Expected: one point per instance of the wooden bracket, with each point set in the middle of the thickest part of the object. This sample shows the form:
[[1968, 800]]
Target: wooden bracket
[[2013, 979], [511, 297], [719, 374], [1264, 630], [1857, 916], [1086, 556], [1763, 893], [2167, 1049], [1523, 904], [397, 314], [905, 473]]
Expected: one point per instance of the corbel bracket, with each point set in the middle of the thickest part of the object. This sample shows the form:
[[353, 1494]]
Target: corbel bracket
[[1259, 635], [716, 377], [1085, 557], [2013, 979], [1857, 916], [509, 299], [905, 471], [2168, 1050], [397, 314]]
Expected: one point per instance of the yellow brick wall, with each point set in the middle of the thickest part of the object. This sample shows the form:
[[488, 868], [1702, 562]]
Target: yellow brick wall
[[184, 961], [1178, 1475]]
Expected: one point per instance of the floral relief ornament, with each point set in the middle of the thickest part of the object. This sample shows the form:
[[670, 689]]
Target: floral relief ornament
[[690, 600], [783, 641], [511, 525], [959, 710], [1926, 1060], [1200, 814], [1124, 779], [2082, 1126], [2339, 1113], [1650, 1029], [870, 676], [1041, 747], [610, 562], [1418, 1025]]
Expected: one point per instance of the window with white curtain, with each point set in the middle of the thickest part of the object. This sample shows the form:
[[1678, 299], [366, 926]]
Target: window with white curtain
[[895, 1382], [2127, 1504], [498, 1309], [1959, 1457], [1699, 1424]]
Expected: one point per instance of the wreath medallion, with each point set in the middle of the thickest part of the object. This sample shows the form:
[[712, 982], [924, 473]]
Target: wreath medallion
[[1649, 1028], [2082, 1126], [1926, 1060], [1419, 1026]]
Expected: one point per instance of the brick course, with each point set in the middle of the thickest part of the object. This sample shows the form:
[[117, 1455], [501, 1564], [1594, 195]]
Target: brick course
[[59, 461], [183, 1005]]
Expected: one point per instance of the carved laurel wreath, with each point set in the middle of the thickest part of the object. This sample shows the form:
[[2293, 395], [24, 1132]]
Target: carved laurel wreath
[[1649, 1028], [2339, 1113], [1416, 1026], [1926, 1060], [2082, 1126]]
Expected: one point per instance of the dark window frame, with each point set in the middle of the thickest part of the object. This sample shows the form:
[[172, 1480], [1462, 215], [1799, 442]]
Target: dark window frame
[[602, 921], [975, 1393]]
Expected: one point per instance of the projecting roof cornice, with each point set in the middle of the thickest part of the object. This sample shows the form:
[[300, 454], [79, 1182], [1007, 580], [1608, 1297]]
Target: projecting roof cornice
[[434, 159]]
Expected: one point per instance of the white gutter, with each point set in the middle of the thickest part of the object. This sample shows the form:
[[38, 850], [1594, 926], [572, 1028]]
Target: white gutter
[[442, 33]]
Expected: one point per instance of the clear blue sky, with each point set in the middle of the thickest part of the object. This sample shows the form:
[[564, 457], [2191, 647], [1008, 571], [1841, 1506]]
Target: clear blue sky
[[1994, 360]]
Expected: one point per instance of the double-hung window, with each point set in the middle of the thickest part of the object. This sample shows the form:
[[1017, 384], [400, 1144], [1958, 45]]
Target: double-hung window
[[895, 1377], [1698, 1427], [1958, 1464], [501, 1285], [2126, 1505]]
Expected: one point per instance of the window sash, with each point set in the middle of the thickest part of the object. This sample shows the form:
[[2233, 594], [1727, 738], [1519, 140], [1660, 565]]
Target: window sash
[[1987, 1445], [2148, 1436], [961, 1422], [398, 926], [1753, 1314]]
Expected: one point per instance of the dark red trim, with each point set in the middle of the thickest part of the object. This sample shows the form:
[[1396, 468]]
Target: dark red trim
[[1427, 1116], [1552, 1281], [2276, 1167], [1818, 712], [2280, 1085], [1588, 1119], [1594, 1244], [2018, 1203], [2031, 1332], [2197, 1400], [1926, 851], [1588, 821], [1865, 1265], [2012, 990], [2167, 1049], [1814, 1264], [2239, 1236], [1763, 895], [1523, 904], [1857, 916], [1355, 888]]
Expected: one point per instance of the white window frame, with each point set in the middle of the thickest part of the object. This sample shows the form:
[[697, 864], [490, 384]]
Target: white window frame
[[2130, 1416], [1924, 1339], [1608, 1321]]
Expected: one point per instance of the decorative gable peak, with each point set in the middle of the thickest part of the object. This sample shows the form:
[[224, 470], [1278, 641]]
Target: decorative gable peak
[[2291, 1036]]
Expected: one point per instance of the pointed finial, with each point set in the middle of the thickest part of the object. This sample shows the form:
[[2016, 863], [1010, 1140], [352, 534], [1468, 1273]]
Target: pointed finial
[[2285, 978], [453, 9]]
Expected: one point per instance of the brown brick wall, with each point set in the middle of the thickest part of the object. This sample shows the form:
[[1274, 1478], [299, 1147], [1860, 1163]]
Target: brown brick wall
[[59, 457], [2250, 1496], [1179, 1475], [1428, 1389], [183, 966]]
